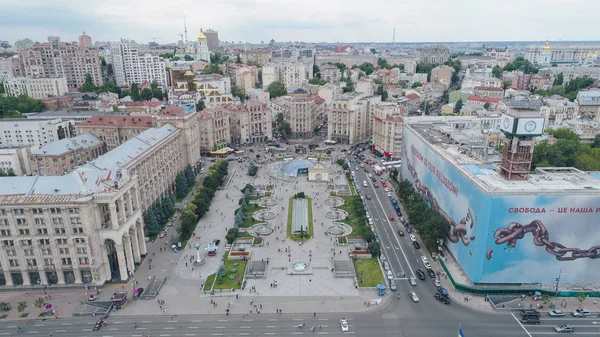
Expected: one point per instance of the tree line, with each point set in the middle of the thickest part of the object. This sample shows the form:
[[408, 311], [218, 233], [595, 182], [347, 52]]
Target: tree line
[[567, 151], [13, 107]]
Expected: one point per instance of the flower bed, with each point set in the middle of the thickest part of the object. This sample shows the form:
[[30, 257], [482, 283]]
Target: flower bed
[[239, 255]]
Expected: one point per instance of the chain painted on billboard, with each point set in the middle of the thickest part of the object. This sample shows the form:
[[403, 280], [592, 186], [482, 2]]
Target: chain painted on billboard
[[498, 238]]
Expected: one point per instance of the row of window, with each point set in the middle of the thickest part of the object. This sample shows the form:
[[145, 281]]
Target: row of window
[[65, 261], [42, 242]]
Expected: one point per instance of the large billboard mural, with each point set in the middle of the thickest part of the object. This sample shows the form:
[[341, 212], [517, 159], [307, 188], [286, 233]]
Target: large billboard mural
[[508, 238]]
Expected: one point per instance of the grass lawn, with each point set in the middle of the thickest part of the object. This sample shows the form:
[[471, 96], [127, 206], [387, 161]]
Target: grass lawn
[[352, 219], [225, 282], [343, 240], [249, 221], [178, 200], [371, 271], [350, 185], [209, 281], [296, 237]]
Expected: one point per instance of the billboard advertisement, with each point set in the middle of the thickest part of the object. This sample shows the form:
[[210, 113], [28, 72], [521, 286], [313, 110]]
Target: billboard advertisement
[[507, 238]]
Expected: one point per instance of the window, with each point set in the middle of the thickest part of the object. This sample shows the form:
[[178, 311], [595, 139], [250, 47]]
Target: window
[[55, 210], [61, 241], [64, 251], [42, 231], [40, 221], [59, 231], [44, 242], [18, 211], [57, 221], [8, 243], [11, 252], [13, 262], [75, 221], [84, 260], [24, 232], [66, 261], [48, 262], [73, 210], [37, 211], [79, 240], [77, 230], [31, 262], [5, 232], [81, 250], [28, 252], [4, 222], [26, 242]]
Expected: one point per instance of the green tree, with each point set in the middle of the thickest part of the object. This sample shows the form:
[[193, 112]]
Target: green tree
[[506, 84], [521, 64], [189, 220], [218, 58], [454, 79], [286, 129], [382, 92], [21, 306], [559, 79], [445, 97], [486, 105], [146, 94], [2, 88], [190, 177], [39, 302], [382, 63], [212, 68], [232, 234], [279, 118], [367, 68], [497, 72], [188, 58], [341, 66], [88, 84], [238, 92], [416, 85], [135, 92], [276, 89], [596, 143], [168, 206], [317, 81], [349, 86], [374, 249], [181, 186], [316, 70], [200, 106], [13, 107], [425, 68], [238, 59], [152, 227], [458, 105]]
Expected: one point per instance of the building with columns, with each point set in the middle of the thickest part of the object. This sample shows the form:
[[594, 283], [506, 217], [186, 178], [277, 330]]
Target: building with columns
[[86, 227]]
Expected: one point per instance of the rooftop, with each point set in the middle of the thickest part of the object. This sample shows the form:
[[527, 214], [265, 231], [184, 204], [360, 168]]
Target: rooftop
[[66, 145], [466, 151], [121, 121]]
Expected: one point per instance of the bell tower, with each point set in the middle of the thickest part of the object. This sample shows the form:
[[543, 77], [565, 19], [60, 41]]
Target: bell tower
[[520, 128]]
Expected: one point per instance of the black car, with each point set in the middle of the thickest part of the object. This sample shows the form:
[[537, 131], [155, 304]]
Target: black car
[[420, 274], [216, 242], [251, 150], [441, 298], [140, 291], [416, 244], [400, 232], [431, 273], [530, 320]]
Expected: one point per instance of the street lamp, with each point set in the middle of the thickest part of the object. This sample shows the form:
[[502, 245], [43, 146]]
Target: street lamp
[[560, 272]]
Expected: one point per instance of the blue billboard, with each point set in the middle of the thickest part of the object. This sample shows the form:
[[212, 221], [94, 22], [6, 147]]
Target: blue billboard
[[507, 238]]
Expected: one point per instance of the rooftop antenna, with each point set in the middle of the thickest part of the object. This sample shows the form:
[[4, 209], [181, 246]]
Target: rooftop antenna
[[185, 29]]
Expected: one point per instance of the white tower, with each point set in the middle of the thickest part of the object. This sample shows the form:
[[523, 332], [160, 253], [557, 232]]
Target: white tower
[[202, 53]]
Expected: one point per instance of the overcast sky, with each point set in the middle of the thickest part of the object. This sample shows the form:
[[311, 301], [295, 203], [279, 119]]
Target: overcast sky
[[302, 20]]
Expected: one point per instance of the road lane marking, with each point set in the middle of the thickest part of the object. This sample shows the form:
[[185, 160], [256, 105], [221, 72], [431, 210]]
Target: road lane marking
[[296, 333], [247, 320], [112, 329], [219, 327], [269, 333], [516, 319], [169, 328], [270, 326], [245, 327], [86, 329], [38, 325], [164, 335], [66, 324], [297, 319], [272, 320], [60, 330], [193, 327], [222, 320], [217, 334], [32, 332], [323, 319], [190, 334], [117, 322], [244, 333], [146, 321], [322, 333], [171, 321]]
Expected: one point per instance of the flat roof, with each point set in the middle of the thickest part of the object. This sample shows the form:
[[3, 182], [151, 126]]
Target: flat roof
[[466, 151], [64, 113], [68, 144]]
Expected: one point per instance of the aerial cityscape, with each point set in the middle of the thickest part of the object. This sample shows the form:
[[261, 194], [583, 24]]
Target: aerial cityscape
[[274, 172]]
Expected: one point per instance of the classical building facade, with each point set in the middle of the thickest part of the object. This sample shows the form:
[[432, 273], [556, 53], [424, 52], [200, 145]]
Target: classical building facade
[[556, 111], [259, 57], [560, 53], [65, 155], [436, 54], [186, 120], [589, 104], [114, 130], [250, 123], [350, 116], [130, 66], [215, 131], [303, 111], [388, 124], [330, 73]]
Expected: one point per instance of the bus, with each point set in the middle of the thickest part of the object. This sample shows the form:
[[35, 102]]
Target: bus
[[391, 163]]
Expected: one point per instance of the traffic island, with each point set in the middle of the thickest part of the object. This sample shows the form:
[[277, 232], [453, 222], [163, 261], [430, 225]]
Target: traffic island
[[300, 218]]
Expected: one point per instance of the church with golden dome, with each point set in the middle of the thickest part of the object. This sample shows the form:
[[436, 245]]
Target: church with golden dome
[[197, 50], [560, 53]]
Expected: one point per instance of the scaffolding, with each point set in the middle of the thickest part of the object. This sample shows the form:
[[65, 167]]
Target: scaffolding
[[517, 155]]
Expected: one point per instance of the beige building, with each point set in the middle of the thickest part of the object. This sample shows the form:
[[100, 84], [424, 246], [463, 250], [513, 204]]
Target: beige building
[[250, 123], [303, 111], [330, 73], [442, 74], [69, 60], [388, 124], [215, 131], [15, 159], [86, 227], [490, 92], [436, 54], [185, 120], [258, 57], [556, 111], [65, 155], [114, 130], [214, 89], [37, 88], [291, 74], [349, 117], [365, 86]]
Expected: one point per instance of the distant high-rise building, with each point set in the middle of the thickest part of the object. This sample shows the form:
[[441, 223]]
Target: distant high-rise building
[[85, 41], [25, 43], [212, 37], [4, 44], [53, 39], [131, 67]]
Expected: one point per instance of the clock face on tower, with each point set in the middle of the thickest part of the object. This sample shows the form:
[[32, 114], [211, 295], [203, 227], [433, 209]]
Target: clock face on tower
[[506, 123], [530, 126]]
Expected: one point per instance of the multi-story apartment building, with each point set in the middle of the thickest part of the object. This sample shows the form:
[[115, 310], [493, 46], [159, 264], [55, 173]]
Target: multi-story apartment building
[[556, 111], [467, 61], [6, 69], [350, 116], [250, 123], [37, 88], [388, 76], [185, 118], [54, 60], [291, 74], [589, 104], [330, 73], [65, 155], [215, 131], [130, 66], [114, 130], [258, 57], [365, 86], [442, 74], [569, 73], [559, 54], [15, 159], [212, 39], [489, 92], [388, 124], [303, 111], [34, 132], [86, 227], [436, 54], [85, 41]]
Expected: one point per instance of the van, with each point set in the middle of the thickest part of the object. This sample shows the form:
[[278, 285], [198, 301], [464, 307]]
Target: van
[[365, 183]]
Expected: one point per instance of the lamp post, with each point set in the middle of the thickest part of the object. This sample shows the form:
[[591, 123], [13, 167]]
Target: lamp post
[[560, 272]]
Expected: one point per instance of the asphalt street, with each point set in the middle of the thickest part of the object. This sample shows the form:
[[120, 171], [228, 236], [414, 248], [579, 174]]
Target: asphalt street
[[582, 326]]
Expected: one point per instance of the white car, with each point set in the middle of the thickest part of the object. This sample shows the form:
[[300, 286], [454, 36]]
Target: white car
[[386, 189], [556, 313], [390, 275], [412, 238], [344, 325], [370, 175], [386, 266], [436, 282], [357, 168], [413, 296], [390, 194], [580, 313], [413, 281], [424, 258], [427, 265]]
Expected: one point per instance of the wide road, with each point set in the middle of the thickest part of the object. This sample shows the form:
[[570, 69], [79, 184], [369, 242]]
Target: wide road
[[582, 326], [381, 323]]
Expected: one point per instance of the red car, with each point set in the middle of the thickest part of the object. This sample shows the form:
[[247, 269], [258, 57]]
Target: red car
[[391, 218], [384, 185]]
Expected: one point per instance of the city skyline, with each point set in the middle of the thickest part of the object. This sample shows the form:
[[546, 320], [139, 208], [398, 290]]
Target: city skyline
[[332, 21]]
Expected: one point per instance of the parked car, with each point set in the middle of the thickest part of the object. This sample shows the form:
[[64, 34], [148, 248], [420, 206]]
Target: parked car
[[556, 313], [391, 218], [393, 285], [420, 274], [427, 265], [563, 328], [92, 298], [412, 238], [386, 266], [431, 273], [390, 275], [413, 281], [416, 244], [413, 296], [443, 291], [581, 313], [424, 258], [216, 242], [442, 299], [436, 282]]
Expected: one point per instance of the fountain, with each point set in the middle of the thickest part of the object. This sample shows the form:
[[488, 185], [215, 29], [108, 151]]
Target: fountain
[[267, 202], [262, 215], [333, 201], [300, 267], [337, 214], [263, 230]]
